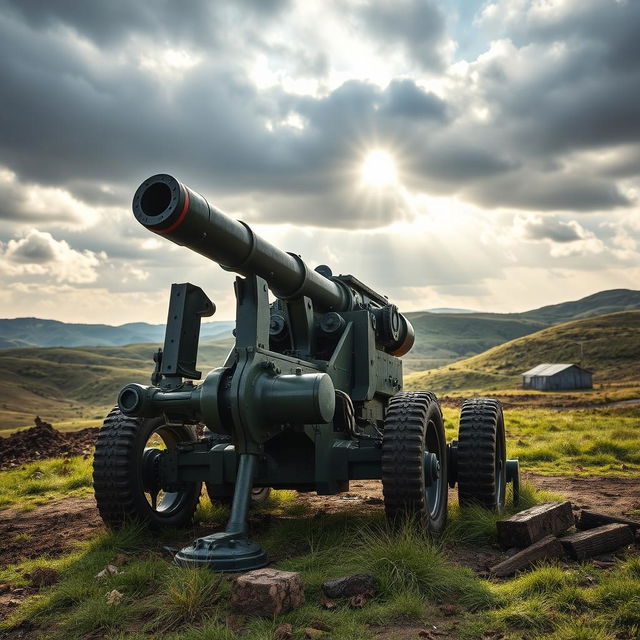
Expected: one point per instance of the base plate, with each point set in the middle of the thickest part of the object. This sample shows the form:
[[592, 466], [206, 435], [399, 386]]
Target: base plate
[[222, 552]]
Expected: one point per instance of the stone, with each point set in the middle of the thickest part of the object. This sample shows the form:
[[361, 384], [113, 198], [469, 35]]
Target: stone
[[529, 526], [283, 632], [114, 597], [349, 586], [267, 592]]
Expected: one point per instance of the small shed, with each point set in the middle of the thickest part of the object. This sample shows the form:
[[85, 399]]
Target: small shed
[[557, 377]]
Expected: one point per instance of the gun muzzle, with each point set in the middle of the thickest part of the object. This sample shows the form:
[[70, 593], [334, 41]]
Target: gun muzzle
[[169, 208]]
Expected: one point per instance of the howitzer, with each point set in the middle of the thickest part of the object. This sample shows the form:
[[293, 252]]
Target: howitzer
[[309, 398]]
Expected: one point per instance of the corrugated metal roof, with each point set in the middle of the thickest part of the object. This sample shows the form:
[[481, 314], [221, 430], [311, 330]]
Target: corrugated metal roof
[[547, 369]]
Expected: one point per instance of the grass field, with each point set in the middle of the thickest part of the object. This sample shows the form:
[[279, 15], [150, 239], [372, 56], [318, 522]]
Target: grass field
[[569, 441], [592, 441], [415, 576]]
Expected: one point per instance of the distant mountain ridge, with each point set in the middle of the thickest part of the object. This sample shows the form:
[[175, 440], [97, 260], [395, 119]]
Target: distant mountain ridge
[[442, 338], [35, 332], [442, 335]]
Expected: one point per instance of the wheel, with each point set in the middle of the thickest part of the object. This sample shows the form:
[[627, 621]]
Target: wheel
[[258, 494], [481, 459], [414, 460], [125, 473]]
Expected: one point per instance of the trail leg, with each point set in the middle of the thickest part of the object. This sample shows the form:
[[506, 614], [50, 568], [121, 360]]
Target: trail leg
[[230, 550]]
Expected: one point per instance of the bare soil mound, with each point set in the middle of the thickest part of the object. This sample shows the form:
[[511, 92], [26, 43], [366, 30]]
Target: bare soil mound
[[43, 441]]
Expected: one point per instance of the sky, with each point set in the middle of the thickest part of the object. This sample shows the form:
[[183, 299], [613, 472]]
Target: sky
[[461, 153]]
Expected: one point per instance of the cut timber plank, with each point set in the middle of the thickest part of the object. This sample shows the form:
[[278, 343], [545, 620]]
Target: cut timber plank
[[591, 519], [544, 549], [608, 537], [531, 525]]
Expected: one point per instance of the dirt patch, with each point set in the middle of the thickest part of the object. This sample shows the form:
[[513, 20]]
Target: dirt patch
[[49, 529], [43, 441], [606, 494]]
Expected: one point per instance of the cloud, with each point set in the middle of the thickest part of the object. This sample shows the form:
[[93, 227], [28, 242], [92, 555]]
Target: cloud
[[565, 238], [418, 26], [552, 229], [40, 254], [269, 109], [29, 203]]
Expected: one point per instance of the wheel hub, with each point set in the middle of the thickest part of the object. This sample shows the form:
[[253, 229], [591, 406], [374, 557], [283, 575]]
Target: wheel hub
[[150, 472], [431, 468]]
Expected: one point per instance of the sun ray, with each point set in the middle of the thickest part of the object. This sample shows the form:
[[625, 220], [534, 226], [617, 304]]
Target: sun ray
[[378, 169]]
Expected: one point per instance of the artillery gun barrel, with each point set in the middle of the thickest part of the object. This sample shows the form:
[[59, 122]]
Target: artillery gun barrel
[[167, 207]]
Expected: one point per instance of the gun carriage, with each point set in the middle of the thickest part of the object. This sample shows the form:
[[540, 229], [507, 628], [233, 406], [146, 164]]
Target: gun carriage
[[309, 398]]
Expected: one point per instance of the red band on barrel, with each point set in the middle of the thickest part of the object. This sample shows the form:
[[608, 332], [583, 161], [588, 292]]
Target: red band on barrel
[[180, 218]]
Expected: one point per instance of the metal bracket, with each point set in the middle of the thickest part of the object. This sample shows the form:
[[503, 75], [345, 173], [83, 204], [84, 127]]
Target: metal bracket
[[187, 306]]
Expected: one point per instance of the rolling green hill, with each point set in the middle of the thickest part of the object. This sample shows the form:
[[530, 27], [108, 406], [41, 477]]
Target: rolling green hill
[[611, 351], [76, 384], [442, 338], [63, 384]]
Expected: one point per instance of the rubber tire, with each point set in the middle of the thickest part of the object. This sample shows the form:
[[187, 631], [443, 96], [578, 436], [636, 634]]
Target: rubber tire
[[481, 438], [403, 446], [117, 474]]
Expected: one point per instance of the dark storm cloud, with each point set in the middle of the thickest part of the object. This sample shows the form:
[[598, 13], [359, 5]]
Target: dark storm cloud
[[108, 23], [97, 122], [551, 229], [457, 162], [547, 191], [586, 93], [415, 25], [611, 25], [405, 99]]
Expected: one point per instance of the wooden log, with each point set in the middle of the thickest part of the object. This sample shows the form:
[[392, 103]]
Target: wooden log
[[531, 525], [544, 549], [591, 520], [592, 542]]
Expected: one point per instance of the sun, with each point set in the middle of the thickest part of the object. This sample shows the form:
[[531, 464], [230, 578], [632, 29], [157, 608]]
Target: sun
[[378, 169]]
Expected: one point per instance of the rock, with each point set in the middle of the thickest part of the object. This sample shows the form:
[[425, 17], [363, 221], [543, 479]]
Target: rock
[[114, 597], [44, 577], [349, 586], [360, 600], [312, 633], [267, 592], [283, 632], [109, 570]]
